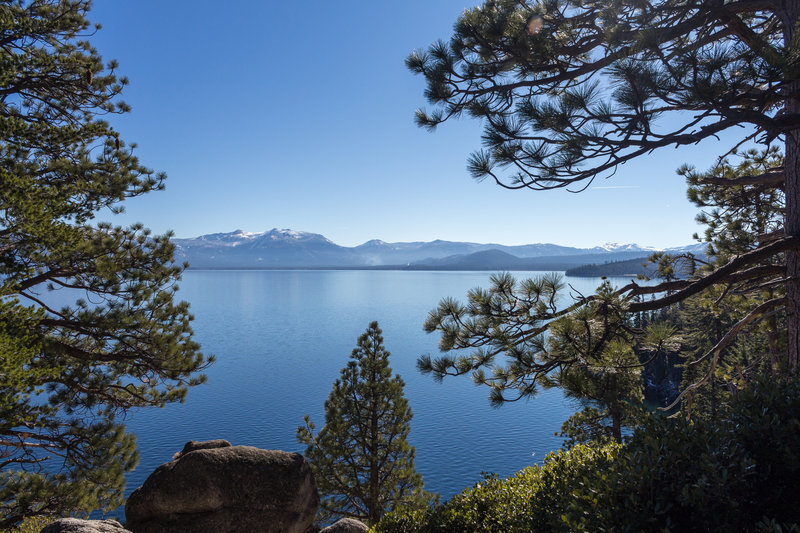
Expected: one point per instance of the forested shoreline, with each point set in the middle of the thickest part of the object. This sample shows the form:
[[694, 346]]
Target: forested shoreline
[[632, 267]]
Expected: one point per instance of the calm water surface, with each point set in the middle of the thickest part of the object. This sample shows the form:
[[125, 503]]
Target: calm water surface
[[281, 337]]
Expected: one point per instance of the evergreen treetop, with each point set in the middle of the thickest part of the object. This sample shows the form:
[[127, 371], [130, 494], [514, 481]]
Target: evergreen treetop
[[361, 458]]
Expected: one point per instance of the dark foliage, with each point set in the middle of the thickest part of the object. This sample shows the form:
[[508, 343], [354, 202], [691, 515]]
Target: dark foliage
[[736, 473]]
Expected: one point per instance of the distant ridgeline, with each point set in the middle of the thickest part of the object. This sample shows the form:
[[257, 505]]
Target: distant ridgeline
[[288, 249]]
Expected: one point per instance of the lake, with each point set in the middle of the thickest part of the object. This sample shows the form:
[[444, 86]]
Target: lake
[[281, 337]]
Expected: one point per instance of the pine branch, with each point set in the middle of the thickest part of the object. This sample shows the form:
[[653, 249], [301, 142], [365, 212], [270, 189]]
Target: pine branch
[[724, 342]]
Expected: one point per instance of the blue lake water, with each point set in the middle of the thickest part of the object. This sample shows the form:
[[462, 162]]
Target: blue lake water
[[281, 337]]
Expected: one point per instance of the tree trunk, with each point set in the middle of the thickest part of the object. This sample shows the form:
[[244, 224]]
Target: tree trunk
[[792, 187], [792, 228], [616, 428], [375, 510]]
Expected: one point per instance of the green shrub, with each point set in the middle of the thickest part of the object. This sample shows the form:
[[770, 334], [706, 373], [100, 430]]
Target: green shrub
[[32, 524], [533, 499], [723, 475], [673, 476]]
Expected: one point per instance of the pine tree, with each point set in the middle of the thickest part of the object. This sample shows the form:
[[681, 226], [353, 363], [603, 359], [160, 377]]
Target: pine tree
[[608, 383], [66, 373], [737, 218], [569, 90], [361, 459]]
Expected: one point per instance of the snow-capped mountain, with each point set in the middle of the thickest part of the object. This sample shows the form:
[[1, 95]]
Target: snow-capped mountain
[[234, 238], [286, 248], [239, 237], [629, 247], [698, 248], [289, 236], [276, 248]]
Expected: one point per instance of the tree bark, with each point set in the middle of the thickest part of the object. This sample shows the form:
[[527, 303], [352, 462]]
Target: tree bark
[[616, 424], [792, 228], [792, 189], [375, 510]]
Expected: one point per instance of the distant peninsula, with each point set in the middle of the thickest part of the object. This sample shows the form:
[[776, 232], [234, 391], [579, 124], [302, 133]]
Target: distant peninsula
[[631, 267]]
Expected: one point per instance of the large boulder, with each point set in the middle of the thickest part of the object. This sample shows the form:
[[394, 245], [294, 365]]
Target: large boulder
[[225, 489], [76, 525], [346, 525]]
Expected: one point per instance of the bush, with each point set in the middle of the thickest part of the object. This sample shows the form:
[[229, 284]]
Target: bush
[[32, 524], [533, 499], [740, 472], [723, 475]]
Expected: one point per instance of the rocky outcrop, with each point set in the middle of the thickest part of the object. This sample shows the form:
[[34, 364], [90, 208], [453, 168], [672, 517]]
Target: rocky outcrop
[[193, 445], [75, 525], [215, 487], [346, 525]]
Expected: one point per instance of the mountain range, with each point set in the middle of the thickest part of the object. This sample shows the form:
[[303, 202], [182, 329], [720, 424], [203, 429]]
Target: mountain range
[[285, 248]]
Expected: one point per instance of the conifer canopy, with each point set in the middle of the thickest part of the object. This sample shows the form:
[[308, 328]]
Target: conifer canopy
[[570, 90], [67, 371]]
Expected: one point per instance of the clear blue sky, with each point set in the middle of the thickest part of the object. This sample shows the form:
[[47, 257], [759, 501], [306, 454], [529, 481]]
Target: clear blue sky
[[300, 115]]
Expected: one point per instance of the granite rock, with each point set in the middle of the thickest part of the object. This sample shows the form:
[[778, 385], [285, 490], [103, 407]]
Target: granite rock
[[225, 489], [76, 525]]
